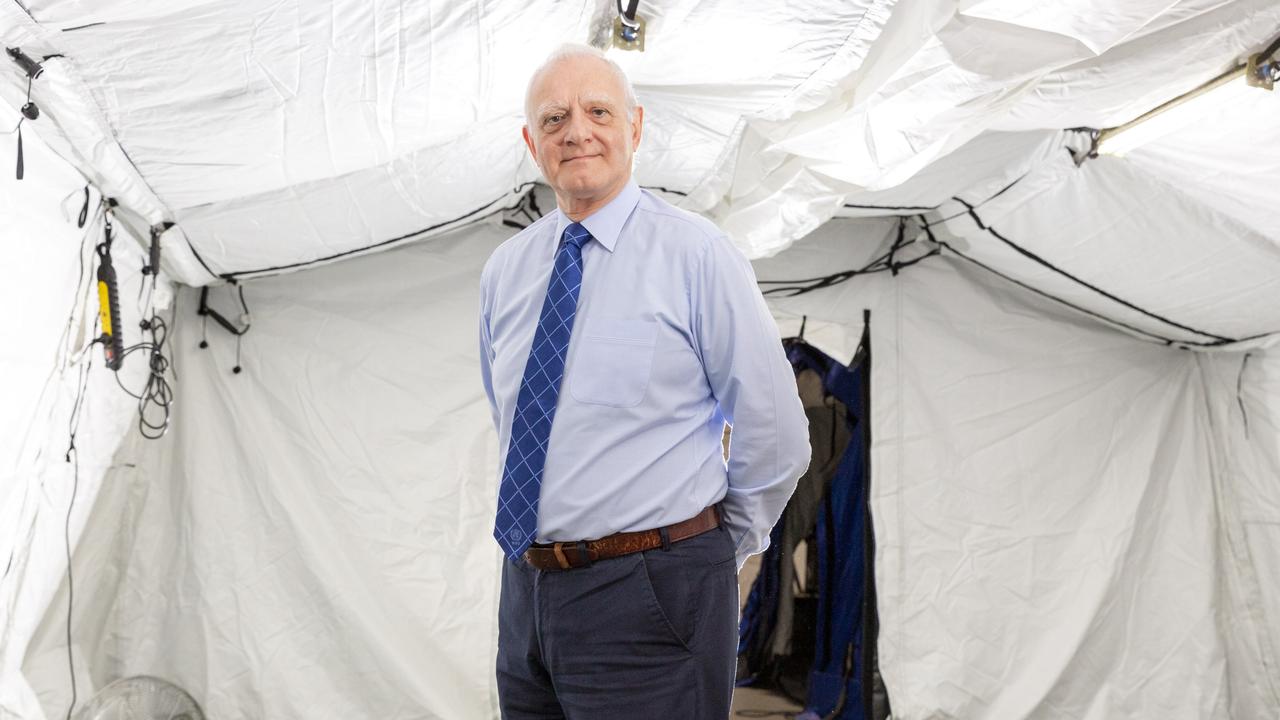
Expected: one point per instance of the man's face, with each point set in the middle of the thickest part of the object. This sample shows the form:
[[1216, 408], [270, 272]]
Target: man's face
[[578, 130]]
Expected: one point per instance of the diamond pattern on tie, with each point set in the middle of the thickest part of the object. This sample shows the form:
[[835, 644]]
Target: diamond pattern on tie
[[516, 523]]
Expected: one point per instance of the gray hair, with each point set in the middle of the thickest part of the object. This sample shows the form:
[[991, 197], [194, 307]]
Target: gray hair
[[577, 50]]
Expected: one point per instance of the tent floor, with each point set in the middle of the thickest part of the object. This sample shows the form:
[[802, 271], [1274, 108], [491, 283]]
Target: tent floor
[[757, 700]]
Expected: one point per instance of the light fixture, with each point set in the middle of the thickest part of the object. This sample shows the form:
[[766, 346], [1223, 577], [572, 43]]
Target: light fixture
[[628, 28], [28, 65], [1189, 107]]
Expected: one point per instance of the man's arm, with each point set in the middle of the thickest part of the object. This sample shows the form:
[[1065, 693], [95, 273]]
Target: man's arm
[[486, 346], [742, 355]]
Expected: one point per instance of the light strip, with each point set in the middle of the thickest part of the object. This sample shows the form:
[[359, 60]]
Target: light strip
[[1189, 105]]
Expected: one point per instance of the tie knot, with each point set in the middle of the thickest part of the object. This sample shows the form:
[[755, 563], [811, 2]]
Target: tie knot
[[577, 234]]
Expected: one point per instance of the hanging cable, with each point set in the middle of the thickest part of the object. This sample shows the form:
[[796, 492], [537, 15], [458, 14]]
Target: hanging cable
[[206, 311], [73, 457], [886, 262], [30, 111], [1244, 415], [155, 400]]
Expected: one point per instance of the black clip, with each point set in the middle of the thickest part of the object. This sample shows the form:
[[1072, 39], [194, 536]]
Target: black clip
[[666, 538], [582, 551]]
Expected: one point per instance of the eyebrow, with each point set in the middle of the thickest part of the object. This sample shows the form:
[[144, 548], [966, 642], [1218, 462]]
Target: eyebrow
[[552, 106], [547, 108]]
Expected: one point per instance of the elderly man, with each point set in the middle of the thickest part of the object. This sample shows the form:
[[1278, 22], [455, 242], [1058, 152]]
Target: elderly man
[[618, 335]]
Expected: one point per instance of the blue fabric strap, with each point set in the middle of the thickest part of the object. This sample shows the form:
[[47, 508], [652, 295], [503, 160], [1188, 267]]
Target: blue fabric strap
[[516, 524]]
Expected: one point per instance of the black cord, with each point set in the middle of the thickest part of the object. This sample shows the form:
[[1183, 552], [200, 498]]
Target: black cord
[[1271, 49], [477, 214], [628, 15], [1240, 392], [73, 456], [1028, 254], [157, 392], [883, 263]]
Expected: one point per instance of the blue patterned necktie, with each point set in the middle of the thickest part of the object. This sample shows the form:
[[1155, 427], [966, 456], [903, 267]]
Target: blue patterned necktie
[[517, 519]]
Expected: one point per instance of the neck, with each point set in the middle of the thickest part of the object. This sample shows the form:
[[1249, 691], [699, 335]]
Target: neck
[[578, 208]]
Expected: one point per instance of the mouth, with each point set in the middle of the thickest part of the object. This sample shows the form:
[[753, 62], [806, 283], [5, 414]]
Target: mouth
[[576, 159]]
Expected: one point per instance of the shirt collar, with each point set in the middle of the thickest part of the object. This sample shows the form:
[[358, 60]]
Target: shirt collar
[[606, 223]]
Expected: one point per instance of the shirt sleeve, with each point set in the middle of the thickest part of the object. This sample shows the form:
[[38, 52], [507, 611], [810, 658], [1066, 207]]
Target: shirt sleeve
[[741, 352], [486, 347]]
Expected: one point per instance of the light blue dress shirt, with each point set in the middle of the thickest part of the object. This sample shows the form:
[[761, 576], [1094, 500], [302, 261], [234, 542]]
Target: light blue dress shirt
[[672, 339]]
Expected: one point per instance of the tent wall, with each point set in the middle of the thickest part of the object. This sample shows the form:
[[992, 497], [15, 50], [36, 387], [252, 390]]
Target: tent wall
[[1243, 415], [1070, 521], [50, 310], [312, 539]]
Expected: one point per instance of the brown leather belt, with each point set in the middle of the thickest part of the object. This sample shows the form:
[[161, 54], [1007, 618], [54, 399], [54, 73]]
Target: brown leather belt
[[569, 555]]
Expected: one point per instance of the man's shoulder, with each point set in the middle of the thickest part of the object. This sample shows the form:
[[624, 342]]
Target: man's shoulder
[[520, 243], [538, 229], [686, 224]]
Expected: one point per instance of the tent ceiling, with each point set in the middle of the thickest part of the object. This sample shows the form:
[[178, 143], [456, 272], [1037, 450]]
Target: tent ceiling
[[284, 134]]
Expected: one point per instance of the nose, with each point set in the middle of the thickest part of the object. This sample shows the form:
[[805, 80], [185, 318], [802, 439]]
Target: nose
[[578, 130]]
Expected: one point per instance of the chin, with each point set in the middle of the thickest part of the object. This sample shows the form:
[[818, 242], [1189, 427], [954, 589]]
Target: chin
[[582, 187]]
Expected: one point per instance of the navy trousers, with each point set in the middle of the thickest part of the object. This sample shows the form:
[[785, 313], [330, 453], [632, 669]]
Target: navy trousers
[[646, 635]]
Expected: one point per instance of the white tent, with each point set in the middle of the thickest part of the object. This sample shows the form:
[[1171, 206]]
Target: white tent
[[1076, 396]]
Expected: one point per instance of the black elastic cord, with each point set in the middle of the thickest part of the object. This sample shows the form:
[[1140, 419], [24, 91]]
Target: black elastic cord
[[1110, 296], [82, 27], [669, 191], [897, 244], [1240, 392], [84, 209], [903, 208], [1055, 298], [238, 274], [883, 263]]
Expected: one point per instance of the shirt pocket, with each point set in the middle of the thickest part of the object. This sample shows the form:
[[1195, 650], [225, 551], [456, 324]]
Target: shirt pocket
[[613, 362]]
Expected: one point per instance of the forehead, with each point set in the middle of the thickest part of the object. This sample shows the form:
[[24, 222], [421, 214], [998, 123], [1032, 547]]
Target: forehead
[[576, 78]]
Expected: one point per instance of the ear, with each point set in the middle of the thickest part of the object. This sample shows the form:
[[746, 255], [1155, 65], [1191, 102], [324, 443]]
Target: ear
[[637, 124], [528, 141]]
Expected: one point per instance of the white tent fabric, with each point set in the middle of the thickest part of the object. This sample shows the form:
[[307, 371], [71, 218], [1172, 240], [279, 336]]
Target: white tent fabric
[[1067, 519], [313, 538], [1076, 403], [347, 126], [46, 490]]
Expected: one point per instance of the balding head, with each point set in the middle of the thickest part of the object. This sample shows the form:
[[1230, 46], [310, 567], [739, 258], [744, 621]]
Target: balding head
[[575, 51]]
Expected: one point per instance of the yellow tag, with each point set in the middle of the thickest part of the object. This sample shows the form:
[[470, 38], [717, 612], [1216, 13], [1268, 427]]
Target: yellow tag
[[104, 308]]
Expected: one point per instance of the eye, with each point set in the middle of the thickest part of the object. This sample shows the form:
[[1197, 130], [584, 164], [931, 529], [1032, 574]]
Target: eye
[[553, 119], [599, 112]]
